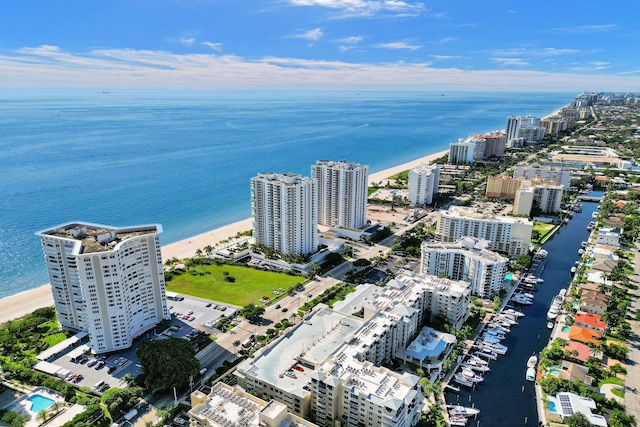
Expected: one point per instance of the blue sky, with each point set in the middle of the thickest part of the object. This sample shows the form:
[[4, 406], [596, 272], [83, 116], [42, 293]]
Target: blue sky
[[542, 45]]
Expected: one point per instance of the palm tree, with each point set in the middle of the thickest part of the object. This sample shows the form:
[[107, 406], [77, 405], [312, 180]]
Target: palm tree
[[129, 379], [56, 407], [208, 250], [43, 416]]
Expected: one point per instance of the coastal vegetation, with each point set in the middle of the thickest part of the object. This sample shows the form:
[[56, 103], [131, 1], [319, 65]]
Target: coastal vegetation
[[166, 363]]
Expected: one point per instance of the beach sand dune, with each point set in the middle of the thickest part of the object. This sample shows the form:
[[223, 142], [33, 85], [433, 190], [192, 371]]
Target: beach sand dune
[[25, 302]]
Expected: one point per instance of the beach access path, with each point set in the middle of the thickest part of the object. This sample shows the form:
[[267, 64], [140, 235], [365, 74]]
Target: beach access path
[[23, 303]]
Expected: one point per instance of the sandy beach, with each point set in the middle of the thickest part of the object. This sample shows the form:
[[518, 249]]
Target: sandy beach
[[25, 302]]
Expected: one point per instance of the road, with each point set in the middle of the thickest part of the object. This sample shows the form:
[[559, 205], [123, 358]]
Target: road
[[632, 381]]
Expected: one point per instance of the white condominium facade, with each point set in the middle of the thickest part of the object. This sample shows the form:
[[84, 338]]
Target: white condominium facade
[[342, 193], [546, 173], [543, 195], [466, 150], [423, 184], [507, 234], [106, 281], [523, 129], [285, 213], [467, 259]]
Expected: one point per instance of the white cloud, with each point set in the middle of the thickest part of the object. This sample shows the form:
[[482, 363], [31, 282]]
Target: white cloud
[[350, 40], [582, 29], [511, 61], [187, 41], [398, 45], [444, 57], [549, 51], [215, 46], [354, 8], [50, 66], [312, 35]]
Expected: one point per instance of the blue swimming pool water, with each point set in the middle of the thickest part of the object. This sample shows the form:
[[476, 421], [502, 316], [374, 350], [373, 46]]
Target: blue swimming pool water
[[552, 407], [554, 371], [39, 402]]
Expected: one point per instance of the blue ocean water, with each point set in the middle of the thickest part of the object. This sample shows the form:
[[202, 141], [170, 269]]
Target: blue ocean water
[[184, 158]]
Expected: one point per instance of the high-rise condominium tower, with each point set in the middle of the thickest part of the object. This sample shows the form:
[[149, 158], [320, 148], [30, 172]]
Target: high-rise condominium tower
[[285, 212], [342, 193], [106, 281]]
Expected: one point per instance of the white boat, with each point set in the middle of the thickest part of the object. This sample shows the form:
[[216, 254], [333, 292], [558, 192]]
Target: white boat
[[591, 226], [487, 353], [476, 361], [553, 312], [498, 331], [549, 325], [521, 299], [471, 375], [532, 362], [465, 411], [514, 313], [467, 380], [542, 253], [457, 420], [490, 340], [476, 368], [584, 244], [528, 295], [574, 269], [531, 374], [580, 251], [539, 280], [499, 348], [594, 215]]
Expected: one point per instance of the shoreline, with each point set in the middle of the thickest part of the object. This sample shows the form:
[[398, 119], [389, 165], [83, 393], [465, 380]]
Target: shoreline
[[25, 302]]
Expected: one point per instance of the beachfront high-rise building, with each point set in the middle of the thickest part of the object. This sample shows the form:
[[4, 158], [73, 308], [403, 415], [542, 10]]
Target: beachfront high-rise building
[[543, 195], [342, 193], [106, 281], [285, 212], [507, 234], [468, 259], [466, 150], [423, 184], [523, 130], [495, 143]]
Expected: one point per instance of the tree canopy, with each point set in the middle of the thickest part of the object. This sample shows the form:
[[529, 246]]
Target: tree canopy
[[252, 312], [167, 363]]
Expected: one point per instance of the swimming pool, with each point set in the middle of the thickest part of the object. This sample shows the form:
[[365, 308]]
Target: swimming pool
[[552, 407], [39, 402], [554, 371], [566, 329]]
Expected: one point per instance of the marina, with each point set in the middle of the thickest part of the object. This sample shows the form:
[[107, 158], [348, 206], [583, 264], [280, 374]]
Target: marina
[[526, 333]]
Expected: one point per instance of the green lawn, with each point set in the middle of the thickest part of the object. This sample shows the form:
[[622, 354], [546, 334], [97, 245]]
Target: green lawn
[[250, 284], [54, 339]]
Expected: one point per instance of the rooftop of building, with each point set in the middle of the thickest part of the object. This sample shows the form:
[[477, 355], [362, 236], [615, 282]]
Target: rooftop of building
[[472, 246], [96, 237], [306, 346], [473, 213], [430, 343]]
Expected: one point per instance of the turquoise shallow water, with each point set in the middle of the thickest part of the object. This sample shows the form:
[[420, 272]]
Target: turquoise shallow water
[[184, 159]]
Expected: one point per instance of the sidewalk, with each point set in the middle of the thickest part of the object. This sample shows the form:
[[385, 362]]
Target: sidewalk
[[632, 382]]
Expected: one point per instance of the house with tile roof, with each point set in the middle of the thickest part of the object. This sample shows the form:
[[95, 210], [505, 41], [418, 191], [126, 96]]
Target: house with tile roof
[[584, 335], [594, 302], [591, 321], [579, 351]]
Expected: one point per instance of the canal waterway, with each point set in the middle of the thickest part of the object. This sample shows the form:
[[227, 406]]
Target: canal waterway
[[505, 398]]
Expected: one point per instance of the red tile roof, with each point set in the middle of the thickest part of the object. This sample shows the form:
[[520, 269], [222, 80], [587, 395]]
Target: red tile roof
[[584, 335], [583, 350], [592, 320]]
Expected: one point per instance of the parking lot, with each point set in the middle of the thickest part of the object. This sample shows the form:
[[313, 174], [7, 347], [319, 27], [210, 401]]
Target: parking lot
[[87, 370]]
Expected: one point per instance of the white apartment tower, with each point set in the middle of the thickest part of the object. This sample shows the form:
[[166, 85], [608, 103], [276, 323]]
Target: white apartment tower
[[285, 212], [523, 129], [544, 195], [106, 281], [506, 234], [546, 173], [468, 259], [423, 184], [466, 150], [342, 193]]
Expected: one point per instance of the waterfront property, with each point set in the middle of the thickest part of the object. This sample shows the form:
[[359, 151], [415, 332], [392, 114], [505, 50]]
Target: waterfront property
[[106, 281], [342, 193], [565, 404], [507, 234], [468, 259], [285, 213]]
